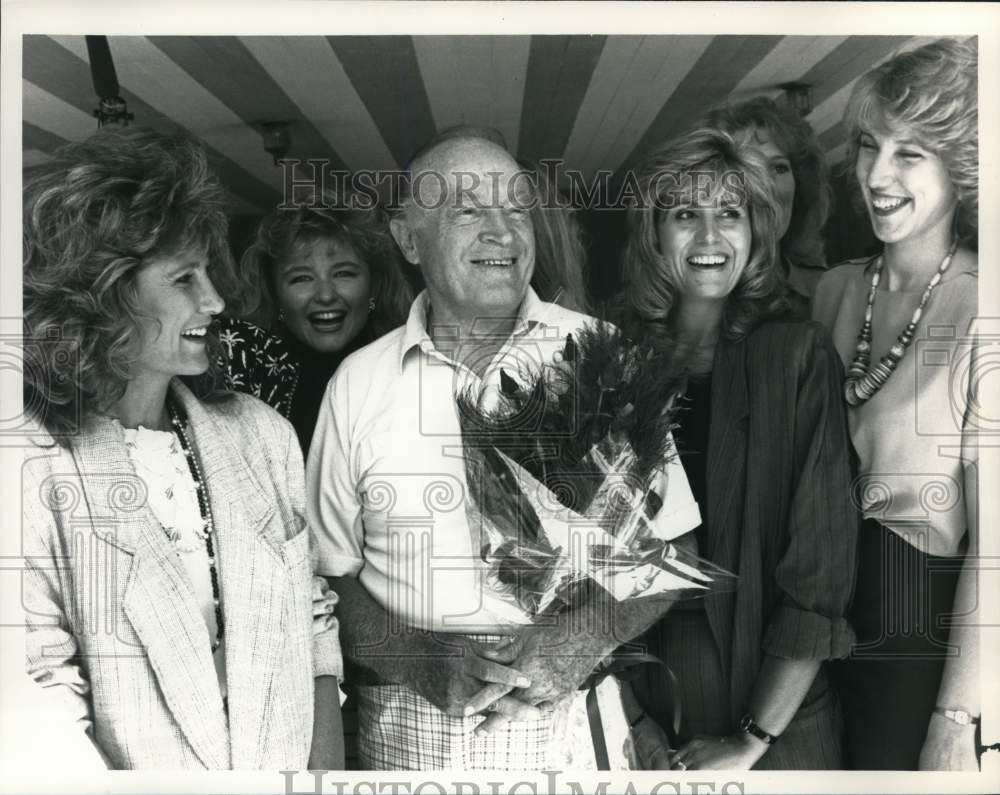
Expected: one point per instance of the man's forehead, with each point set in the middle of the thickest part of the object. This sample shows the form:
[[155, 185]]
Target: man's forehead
[[466, 155], [466, 168]]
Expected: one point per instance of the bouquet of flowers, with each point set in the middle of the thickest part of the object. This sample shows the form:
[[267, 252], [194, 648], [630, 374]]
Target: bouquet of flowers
[[563, 476]]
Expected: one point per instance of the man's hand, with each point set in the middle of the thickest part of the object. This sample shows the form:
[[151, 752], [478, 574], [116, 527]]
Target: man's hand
[[555, 661], [445, 669], [556, 664], [652, 748], [461, 668]]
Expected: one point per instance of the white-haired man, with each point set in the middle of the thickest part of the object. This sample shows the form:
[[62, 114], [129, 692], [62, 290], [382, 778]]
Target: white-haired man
[[387, 490]]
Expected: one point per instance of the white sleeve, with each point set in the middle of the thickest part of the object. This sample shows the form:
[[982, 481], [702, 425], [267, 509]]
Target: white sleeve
[[679, 513], [332, 503]]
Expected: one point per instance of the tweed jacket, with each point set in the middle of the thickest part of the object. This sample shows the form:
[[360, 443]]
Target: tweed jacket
[[778, 509], [113, 627]]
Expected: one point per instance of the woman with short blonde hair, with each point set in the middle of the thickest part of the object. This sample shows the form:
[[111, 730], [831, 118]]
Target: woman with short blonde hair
[[912, 121]]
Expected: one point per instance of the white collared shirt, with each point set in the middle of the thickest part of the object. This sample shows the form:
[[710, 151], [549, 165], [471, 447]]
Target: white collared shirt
[[386, 476]]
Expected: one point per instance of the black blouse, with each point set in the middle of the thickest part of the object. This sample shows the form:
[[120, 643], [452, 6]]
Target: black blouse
[[287, 375], [691, 437]]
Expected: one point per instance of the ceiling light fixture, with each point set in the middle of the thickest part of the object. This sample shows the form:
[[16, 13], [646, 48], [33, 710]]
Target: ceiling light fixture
[[798, 97], [277, 138]]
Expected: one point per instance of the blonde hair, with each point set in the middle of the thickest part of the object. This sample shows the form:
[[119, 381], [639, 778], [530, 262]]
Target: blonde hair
[[284, 232], [649, 291], [932, 93]]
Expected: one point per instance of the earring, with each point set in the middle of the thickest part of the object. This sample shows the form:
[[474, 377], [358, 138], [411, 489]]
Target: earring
[[371, 305]]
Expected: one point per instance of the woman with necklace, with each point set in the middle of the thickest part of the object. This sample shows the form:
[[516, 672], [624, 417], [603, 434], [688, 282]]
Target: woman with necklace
[[763, 441], [900, 322], [319, 282], [169, 584]]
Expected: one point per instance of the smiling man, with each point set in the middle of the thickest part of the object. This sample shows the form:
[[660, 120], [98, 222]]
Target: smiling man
[[387, 491]]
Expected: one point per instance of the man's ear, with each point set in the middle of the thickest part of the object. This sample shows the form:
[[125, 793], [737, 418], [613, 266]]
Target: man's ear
[[403, 234]]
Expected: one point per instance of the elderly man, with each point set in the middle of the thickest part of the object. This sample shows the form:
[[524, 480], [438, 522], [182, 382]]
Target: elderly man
[[387, 490]]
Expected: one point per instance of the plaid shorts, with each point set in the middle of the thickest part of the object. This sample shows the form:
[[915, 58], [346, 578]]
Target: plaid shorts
[[400, 730]]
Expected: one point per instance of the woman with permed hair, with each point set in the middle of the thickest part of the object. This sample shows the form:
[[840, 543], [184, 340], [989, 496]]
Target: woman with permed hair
[[901, 321], [182, 503], [319, 282], [762, 437], [801, 180]]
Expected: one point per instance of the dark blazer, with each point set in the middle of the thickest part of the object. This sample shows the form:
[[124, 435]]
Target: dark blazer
[[778, 513]]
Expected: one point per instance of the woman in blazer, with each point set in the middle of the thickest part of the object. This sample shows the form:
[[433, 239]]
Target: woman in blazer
[[169, 591], [763, 440]]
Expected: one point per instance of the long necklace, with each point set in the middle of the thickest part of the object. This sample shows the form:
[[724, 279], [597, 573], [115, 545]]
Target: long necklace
[[179, 423], [861, 382]]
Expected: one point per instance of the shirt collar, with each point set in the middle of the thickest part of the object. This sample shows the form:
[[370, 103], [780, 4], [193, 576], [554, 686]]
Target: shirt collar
[[532, 312]]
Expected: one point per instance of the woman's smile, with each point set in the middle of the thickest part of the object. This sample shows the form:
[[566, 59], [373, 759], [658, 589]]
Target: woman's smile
[[705, 248], [708, 261], [906, 187]]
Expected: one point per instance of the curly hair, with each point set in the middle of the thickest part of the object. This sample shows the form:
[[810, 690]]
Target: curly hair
[[931, 93], [92, 217], [650, 294], [803, 242], [282, 233]]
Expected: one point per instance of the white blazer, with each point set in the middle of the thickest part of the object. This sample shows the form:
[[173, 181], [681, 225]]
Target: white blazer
[[114, 630]]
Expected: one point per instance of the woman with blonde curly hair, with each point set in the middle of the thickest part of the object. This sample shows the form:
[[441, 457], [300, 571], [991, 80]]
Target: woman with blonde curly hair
[[801, 182], [909, 700], [764, 445], [181, 503], [319, 282]]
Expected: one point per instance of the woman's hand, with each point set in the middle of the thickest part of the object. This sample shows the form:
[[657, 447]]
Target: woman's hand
[[324, 601], [949, 746], [739, 751]]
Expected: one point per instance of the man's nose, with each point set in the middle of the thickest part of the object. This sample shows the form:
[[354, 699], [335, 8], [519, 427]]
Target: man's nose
[[496, 228]]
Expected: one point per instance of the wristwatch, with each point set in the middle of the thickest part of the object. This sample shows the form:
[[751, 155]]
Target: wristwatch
[[959, 716], [749, 725]]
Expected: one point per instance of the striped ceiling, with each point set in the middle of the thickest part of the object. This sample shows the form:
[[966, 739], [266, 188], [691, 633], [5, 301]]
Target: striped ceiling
[[368, 102]]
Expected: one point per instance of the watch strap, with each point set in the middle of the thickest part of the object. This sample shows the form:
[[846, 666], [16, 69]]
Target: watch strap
[[749, 725]]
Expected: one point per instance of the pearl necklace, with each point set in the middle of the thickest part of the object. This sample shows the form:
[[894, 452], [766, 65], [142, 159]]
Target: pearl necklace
[[861, 382], [179, 424]]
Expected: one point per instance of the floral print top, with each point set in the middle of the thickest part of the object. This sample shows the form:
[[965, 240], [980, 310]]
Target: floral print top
[[260, 364]]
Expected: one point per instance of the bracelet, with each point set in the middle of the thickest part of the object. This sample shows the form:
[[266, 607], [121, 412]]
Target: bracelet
[[633, 723], [959, 716]]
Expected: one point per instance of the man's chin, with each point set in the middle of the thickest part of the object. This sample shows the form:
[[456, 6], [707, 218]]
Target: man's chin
[[502, 306]]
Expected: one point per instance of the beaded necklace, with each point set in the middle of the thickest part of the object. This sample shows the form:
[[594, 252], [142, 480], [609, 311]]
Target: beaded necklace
[[178, 422], [861, 382]]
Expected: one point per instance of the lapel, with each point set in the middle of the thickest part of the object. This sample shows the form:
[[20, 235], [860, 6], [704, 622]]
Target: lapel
[[725, 477], [158, 600], [253, 577]]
